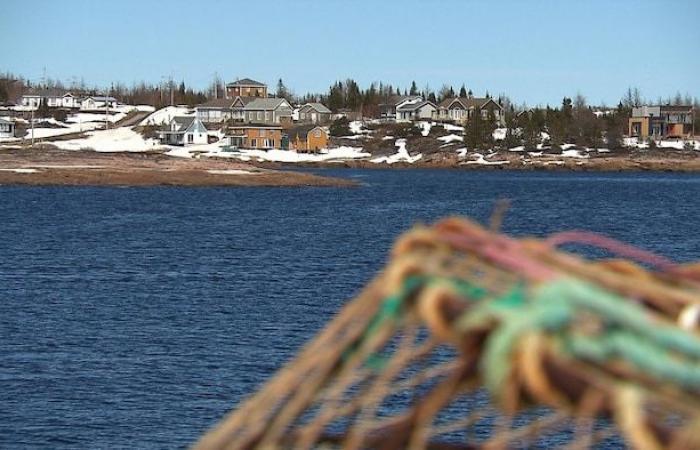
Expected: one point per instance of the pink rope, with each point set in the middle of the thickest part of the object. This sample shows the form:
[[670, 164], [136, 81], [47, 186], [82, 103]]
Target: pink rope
[[614, 246]]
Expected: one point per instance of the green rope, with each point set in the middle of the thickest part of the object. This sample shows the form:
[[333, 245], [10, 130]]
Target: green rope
[[653, 347]]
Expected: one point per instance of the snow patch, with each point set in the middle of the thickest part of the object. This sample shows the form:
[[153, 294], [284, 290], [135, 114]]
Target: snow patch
[[20, 170], [451, 138], [482, 161], [231, 172], [573, 154], [400, 155], [499, 134]]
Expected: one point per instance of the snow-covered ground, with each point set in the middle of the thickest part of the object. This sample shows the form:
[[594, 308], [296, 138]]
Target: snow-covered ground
[[62, 129], [122, 139], [400, 155], [165, 115]]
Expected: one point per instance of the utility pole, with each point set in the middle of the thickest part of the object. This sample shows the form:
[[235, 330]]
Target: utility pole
[[32, 128]]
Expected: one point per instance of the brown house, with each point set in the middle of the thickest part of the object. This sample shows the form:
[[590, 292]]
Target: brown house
[[461, 109], [253, 136], [662, 121], [307, 138], [246, 88]]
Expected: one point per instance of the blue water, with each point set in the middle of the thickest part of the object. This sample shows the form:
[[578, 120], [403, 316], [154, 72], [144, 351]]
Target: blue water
[[136, 317]]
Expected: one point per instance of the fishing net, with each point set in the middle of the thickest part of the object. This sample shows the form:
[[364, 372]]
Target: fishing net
[[470, 339]]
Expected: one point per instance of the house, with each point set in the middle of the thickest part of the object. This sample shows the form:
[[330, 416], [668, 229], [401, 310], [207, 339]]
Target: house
[[662, 121], [7, 129], [246, 88], [387, 110], [98, 103], [423, 109], [222, 109], [307, 138], [255, 136], [461, 109], [185, 130], [314, 113], [268, 111], [346, 113], [54, 98]]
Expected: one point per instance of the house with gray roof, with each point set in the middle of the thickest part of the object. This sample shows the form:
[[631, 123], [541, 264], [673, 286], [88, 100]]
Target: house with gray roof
[[98, 103], [53, 97], [419, 110], [314, 113], [387, 110], [222, 109], [246, 88], [185, 130], [271, 111]]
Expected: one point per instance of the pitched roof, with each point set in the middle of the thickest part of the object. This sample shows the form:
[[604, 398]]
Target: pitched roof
[[265, 104], [99, 98], [246, 82], [396, 99], [467, 102], [302, 131], [183, 122], [49, 92], [319, 107], [415, 106], [219, 103], [256, 126]]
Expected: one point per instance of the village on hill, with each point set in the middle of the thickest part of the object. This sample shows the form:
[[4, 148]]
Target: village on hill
[[244, 120]]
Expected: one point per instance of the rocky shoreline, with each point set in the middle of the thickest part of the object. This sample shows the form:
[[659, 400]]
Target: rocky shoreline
[[662, 161]]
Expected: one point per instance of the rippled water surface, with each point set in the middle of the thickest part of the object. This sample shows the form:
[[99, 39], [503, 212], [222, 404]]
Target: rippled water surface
[[136, 317]]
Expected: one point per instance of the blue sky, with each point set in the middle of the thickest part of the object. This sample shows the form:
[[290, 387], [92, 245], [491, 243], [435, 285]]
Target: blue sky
[[534, 51]]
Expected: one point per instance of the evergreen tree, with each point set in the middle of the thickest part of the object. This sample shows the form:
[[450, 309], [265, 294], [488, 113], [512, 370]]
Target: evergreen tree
[[432, 98], [462, 91], [414, 89], [470, 93], [282, 91], [340, 127]]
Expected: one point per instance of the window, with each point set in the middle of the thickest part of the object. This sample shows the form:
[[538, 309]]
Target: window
[[253, 143], [267, 116], [317, 133], [259, 115], [190, 138]]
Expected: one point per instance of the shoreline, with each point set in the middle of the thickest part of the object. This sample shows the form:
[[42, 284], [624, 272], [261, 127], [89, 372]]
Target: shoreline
[[684, 163], [89, 168]]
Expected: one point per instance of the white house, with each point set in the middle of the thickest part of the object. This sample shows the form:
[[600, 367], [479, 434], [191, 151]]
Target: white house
[[98, 103], [185, 131], [7, 128], [409, 110], [387, 110], [54, 98]]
